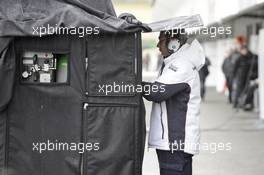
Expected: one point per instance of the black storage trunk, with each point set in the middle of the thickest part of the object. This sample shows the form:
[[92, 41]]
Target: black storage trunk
[[75, 111]]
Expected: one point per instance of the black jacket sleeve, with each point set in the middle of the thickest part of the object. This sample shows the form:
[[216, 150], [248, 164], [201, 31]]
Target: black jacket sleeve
[[158, 92]]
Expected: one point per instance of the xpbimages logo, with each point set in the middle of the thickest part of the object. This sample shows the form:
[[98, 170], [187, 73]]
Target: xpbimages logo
[[80, 147], [211, 31], [61, 30], [212, 147], [107, 89]]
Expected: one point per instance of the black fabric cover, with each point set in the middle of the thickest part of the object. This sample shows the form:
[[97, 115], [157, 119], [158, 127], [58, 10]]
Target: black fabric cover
[[18, 18], [33, 113]]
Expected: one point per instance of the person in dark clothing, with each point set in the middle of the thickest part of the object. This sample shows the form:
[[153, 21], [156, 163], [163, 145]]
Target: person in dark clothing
[[247, 96], [241, 71], [203, 73], [228, 69]]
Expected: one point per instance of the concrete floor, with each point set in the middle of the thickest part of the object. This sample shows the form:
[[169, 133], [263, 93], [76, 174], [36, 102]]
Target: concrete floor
[[242, 131]]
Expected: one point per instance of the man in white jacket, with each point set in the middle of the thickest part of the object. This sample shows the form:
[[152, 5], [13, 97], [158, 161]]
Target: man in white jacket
[[174, 125]]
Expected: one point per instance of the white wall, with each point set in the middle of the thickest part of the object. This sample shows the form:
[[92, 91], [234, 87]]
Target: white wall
[[253, 43], [215, 51], [261, 75], [209, 48]]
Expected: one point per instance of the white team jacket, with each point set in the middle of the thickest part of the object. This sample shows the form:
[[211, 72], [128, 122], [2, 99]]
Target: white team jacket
[[175, 112]]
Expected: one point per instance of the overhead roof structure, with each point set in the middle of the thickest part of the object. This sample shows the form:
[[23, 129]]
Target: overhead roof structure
[[254, 12]]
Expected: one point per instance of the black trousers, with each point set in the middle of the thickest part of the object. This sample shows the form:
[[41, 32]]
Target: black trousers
[[176, 163], [229, 86], [238, 87]]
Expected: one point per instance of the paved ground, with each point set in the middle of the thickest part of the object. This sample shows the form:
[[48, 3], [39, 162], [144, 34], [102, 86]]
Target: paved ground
[[221, 124]]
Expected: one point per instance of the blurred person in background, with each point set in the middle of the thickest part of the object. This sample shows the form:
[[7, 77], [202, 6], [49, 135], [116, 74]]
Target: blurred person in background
[[228, 70], [246, 100], [145, 62], [174, 123], [203, 73], [241, 72]]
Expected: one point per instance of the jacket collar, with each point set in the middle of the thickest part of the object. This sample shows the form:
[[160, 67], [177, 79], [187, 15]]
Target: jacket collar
[[174, 55]]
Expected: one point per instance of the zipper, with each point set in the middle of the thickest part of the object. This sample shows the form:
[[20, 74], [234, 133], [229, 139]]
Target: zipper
[[81, 166], [86, 76], [86, 59], [161, 111], [86, 64], [86, 105], [83, 162], [136, 58], [161, 121]]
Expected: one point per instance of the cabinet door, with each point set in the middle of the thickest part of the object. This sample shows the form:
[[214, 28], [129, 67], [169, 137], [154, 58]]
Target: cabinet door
[[112, 128], [112, 64]]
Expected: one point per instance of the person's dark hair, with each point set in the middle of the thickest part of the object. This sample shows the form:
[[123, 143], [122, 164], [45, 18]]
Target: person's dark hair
[[178, 33]]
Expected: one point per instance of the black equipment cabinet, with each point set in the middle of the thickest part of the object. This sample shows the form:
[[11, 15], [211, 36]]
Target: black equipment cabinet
[[45, 109]]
